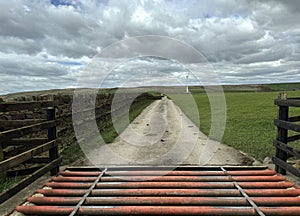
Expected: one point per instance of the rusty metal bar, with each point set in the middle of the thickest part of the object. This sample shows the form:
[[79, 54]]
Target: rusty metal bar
[[172, 192], [212, 185], [143, 192], [215, 201], [119, 185], [167, 200], [140, 210], [158, 210], [250, 201], [167, 168], [170, 173], [82, 200], [174, 178], [194, 173]]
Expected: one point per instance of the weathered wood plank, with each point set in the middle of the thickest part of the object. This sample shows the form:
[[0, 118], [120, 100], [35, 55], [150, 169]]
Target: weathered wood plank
[[294, 138], [287, 125], [39, 160], [11, 152], [13, 161], [26, 105], [287, 102], [37, 174], [19, 132], [24, 171], [286, 166], [291, 150], [1, 153], [24, 141], [19, 123], [294, 119]]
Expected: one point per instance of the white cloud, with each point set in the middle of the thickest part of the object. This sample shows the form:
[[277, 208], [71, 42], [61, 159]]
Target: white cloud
[[245, 41]]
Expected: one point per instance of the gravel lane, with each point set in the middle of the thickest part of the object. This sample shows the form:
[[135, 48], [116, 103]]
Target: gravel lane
[[163, 135]]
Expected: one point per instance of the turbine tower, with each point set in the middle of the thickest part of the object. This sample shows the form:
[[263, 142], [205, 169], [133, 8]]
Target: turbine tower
[[187, 83]]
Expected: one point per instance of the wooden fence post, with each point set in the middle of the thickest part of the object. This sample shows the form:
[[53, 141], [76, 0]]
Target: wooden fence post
[[282, 134], [1, 150], [3, 174], [1, 153], [53, 152]]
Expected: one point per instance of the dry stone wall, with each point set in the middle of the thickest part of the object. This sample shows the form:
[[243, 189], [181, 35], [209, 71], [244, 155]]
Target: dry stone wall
[[23, 108]]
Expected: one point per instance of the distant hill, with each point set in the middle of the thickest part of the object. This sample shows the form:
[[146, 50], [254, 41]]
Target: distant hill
[[38, 95], [253, 87], [283, 86], [193, 89]]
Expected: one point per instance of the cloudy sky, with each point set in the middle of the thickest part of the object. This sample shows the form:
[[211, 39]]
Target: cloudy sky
[[48, 44]]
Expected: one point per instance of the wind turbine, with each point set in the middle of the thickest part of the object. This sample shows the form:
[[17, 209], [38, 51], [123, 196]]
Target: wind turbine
[[187, 83]]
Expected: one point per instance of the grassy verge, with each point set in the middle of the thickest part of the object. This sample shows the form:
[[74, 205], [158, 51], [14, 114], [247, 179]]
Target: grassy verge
[[249, 124], [110, 133], [6, 183]]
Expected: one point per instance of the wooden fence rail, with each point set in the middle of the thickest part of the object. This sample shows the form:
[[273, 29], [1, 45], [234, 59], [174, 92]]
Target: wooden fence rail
[[26, 105], [284, 124], [34, 147]]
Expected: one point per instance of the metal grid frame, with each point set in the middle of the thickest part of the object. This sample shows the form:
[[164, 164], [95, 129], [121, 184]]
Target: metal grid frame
[[186, 190]]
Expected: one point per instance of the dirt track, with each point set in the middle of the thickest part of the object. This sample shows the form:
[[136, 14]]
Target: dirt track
[[160, 135], [163, 135]]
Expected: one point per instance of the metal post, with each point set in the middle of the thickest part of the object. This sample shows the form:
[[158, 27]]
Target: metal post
[[53, 152], [282, 134]]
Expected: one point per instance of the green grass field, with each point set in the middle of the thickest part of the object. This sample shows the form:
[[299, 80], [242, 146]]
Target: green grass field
[[250, 116]]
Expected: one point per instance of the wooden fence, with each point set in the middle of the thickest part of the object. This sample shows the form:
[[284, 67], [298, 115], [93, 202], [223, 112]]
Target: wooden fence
[[25, 136], [286, 124], [28, 146]]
